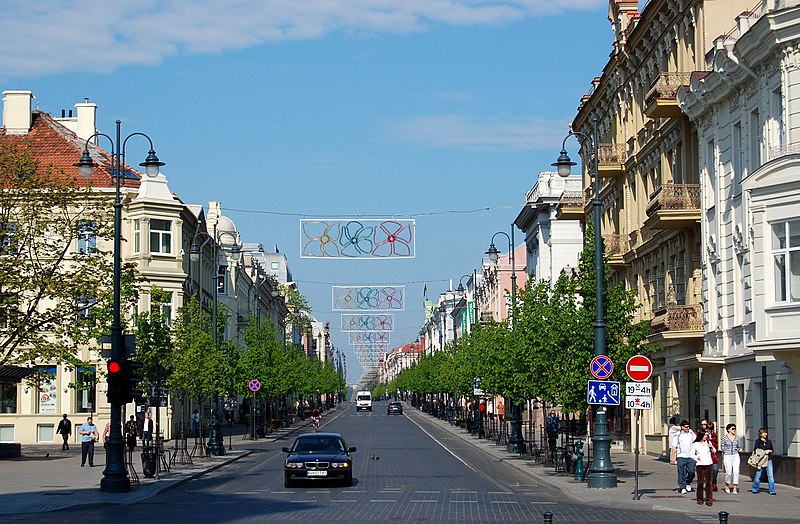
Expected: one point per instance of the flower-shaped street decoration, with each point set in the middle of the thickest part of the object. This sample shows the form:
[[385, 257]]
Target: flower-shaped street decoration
[[368, 322], [357, 239], [394, 239], [320, 239], [368, 298]]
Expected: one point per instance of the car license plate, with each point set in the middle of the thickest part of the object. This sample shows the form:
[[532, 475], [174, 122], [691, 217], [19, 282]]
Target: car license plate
[[317, 473]]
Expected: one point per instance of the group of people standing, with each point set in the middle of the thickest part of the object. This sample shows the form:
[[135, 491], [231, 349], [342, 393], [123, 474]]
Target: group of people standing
[[89, 435], [697, 452]]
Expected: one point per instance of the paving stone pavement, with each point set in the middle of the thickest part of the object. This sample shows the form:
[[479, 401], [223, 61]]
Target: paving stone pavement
[[658, 489], [47, 479]]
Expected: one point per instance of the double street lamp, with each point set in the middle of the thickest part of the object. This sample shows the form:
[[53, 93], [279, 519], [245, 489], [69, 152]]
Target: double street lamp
[[516, 442], [601, 474], [216, 444], [115, 475]]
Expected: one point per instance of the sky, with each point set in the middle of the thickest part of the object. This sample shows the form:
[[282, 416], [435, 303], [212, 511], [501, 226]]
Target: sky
[[443, 111]]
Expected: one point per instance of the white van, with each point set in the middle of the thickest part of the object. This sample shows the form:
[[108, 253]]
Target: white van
[[364, 401]]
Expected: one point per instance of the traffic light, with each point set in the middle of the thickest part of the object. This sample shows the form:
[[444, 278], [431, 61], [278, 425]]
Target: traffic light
[[133, 377], [116, 380]]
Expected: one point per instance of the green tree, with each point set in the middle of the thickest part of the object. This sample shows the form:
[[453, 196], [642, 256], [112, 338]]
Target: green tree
[[154, 339], [198, 366], [46, 285]]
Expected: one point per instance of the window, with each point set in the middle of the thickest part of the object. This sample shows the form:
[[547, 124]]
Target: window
[[87, 237], [137, 236], [680, 279], [755, 141], [8, 242], [86, 390], [9, 309], [222, 273], [85, 308], [275, 265], [738, 159], [164, 309], [160, 236], [776, 124], [711, 174], [786, 261], [8, 397]]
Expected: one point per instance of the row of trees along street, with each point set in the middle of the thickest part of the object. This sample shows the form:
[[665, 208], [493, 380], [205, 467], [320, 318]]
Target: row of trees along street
[[55, 301], [545, 353]]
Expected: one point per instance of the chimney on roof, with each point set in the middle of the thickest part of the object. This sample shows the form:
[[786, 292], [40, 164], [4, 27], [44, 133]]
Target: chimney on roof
[[87, 119], [17, 117]]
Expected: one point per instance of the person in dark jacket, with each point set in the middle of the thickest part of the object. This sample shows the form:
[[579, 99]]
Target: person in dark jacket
[[65, 429], [553, 427], [766, 444], [131, 432]]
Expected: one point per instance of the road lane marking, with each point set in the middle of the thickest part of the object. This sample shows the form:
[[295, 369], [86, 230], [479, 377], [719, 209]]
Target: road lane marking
[[442, 445], [503, 502], [381, 501]]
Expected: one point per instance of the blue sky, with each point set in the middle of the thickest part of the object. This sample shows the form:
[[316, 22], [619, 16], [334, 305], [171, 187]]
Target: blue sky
[[283, 109]]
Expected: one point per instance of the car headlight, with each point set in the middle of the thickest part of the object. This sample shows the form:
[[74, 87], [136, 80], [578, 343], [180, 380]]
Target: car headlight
[[294, 465], [340, 464]]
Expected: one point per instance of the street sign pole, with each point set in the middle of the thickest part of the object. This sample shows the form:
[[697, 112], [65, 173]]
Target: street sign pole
[[636, 495]]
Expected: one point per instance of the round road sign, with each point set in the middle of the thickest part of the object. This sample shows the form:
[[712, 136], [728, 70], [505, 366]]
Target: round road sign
[[601, 367], [639, 368], [254, 385]]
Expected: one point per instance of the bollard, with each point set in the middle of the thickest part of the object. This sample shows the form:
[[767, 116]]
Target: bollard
[[548, 517], [723, 517], [579, 463]]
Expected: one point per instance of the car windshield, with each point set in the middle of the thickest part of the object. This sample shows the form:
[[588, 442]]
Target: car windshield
[[318, 445], [363, 397]]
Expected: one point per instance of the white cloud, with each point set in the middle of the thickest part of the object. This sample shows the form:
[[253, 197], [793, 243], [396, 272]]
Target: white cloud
[[470, 133], [54, 36]]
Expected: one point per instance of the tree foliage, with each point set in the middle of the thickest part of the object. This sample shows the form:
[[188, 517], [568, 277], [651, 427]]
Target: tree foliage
[[547, 353], [46, 285]]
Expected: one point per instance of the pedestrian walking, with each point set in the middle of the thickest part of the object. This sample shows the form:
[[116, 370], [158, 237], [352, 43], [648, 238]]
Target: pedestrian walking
[[714, 439], [683, 456], [702, 451], [106, 434], [65, 429], [195, 423], [89, 435], [131, 432], [147, 430], [764, 444], [731, 446], [553, 427], [674, 429]]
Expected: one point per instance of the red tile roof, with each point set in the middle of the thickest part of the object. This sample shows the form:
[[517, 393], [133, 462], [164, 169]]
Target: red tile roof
[[55, 145]]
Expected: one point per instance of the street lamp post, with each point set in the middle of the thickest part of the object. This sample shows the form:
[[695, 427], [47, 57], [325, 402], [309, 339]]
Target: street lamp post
[[216, 444], [115, 475], [516, 442], [601, 474]]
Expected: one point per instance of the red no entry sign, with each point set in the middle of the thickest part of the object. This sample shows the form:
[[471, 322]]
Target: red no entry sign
[[639, 368]]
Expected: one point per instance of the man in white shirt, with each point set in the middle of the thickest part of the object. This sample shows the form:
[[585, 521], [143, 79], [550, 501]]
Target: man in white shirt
[[682, 444], [147, 430]]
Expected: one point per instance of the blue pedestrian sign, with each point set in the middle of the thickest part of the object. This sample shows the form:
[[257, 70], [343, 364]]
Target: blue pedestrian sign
[[601, 367], [603, 393]]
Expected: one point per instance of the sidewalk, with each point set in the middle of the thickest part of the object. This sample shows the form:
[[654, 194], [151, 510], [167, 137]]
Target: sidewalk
[[658, 487], [48, 479]]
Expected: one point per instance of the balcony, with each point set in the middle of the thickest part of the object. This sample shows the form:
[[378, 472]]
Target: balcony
[[674, 206], [612, 160], [616, 246], [660, 100], [571, 206], [676, 323]]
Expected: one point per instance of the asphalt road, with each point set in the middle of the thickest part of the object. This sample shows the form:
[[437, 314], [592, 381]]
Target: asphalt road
[[405, 470]]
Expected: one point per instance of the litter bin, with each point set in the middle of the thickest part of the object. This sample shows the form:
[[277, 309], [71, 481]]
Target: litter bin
[[149, 461]]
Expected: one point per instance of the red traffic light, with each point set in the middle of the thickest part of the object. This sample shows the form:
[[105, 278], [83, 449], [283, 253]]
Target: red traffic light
[[114, 367]]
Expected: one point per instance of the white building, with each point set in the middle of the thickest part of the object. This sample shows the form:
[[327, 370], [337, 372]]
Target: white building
[[551, 245], [746, 112]]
